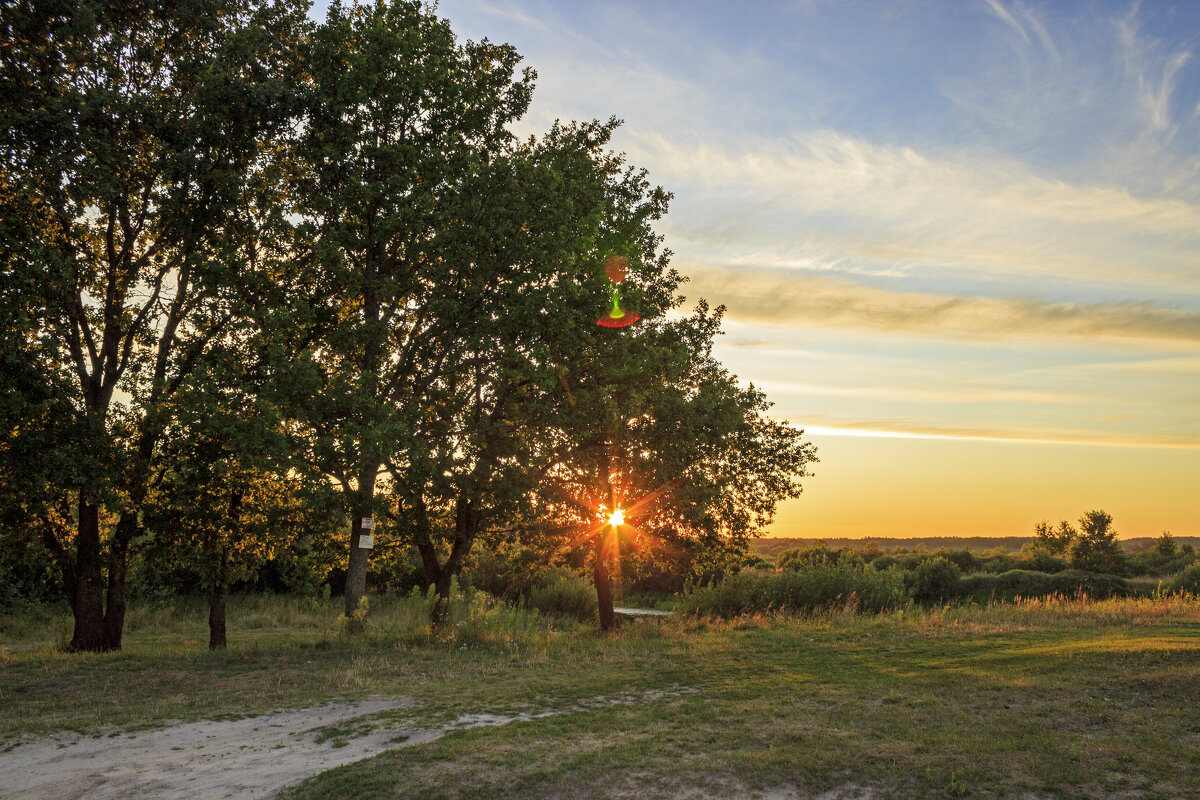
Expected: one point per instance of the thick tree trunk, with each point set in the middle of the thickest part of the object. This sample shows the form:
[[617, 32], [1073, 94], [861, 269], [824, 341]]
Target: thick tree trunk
[[216, 615], [362, 502], [88, 604], [603, 581]]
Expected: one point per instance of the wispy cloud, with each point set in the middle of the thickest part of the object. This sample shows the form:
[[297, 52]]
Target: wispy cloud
[[826, 197], [812, 300], [1027, 27], [1154, 69], [820, 425]]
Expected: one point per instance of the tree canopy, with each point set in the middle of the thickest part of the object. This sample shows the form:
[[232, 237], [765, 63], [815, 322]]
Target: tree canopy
[[248, 258]]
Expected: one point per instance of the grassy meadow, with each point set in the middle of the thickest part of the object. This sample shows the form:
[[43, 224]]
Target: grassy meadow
[[1041, 698]]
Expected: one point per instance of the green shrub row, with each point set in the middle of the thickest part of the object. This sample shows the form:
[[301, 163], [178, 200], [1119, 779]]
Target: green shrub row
[[804, 590], [1164, 559], [844, 583], [1008, 586]]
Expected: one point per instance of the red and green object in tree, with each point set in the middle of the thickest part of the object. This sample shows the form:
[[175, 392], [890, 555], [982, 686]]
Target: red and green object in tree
[[616, 268]]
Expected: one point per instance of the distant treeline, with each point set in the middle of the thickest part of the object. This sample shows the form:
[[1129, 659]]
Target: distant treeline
[[772, 547]]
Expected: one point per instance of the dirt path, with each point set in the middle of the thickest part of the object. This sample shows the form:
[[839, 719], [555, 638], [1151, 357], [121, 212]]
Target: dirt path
[[247, 758], [252, 758]]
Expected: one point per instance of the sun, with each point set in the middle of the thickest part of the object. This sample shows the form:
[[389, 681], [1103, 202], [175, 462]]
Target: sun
[[617, 517]]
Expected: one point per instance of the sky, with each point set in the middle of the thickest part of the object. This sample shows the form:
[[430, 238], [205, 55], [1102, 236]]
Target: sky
[[958, 241]]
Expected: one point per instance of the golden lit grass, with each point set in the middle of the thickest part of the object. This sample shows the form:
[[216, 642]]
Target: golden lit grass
[[1054, 698]]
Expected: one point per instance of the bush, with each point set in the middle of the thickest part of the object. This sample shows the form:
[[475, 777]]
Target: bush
[[979, 588], [1039, 560], [1188, 580], [802, 590], [818, 554], [1015, 583], [964, 559], [563, 593], [998, 564], [1024, 583], [934, 580], [1074, 582]]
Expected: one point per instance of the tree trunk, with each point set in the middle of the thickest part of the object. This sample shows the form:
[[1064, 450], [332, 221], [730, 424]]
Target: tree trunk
[[431, 565], [356, 570], [216, 615], [118, 561], [438, 575], [603, 581], [441, 599], [605, 542], [88, 605]]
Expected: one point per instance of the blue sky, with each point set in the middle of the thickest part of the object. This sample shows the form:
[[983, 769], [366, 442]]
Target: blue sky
[[970, 224]]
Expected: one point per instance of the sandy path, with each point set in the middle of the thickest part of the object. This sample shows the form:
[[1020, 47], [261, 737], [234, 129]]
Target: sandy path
[[251, 758], [247, 758]]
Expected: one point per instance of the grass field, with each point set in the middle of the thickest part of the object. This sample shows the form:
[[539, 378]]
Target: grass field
[[1039, 699]]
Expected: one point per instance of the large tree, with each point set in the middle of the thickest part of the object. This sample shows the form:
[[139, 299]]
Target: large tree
[[441, 243], [132, 128], [572, 200], [653, 427]]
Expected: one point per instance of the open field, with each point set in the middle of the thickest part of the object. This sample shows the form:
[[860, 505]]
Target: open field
[[1040, 699]]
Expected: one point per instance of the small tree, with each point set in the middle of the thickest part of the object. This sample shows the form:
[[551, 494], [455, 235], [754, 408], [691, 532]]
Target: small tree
[[1054, 540], [934, 579], [1096, 548], [1166, 545]]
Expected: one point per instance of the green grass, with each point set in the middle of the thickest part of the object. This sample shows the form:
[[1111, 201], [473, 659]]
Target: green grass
[[1052, 698]]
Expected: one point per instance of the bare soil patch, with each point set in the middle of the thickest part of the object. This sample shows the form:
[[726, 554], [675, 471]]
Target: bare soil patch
[[251, 758], [254, 757]]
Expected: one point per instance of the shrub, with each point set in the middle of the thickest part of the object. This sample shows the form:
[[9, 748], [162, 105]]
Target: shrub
[[883, 562], [1188, 580], [1023, 583], [1038, 560], [818, 554], [563, 593], [964, 559], [934, 580], [802, 590], [998, 564], [1015, 583], [980, 588], [1074, 582]]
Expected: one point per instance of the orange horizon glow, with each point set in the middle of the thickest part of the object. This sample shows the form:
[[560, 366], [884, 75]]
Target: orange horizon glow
[[910, 487]]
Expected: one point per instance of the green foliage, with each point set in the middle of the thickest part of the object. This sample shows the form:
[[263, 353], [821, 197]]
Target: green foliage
[[819, 553], [1188, 580], [1073, 583], [355, 622], [562, 592], [1166, 546], [933, 580], [134, 133], [803, 591], [1056, 541], [1153, 563], [1038, 560], [1005, 587], [1095, 548]]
